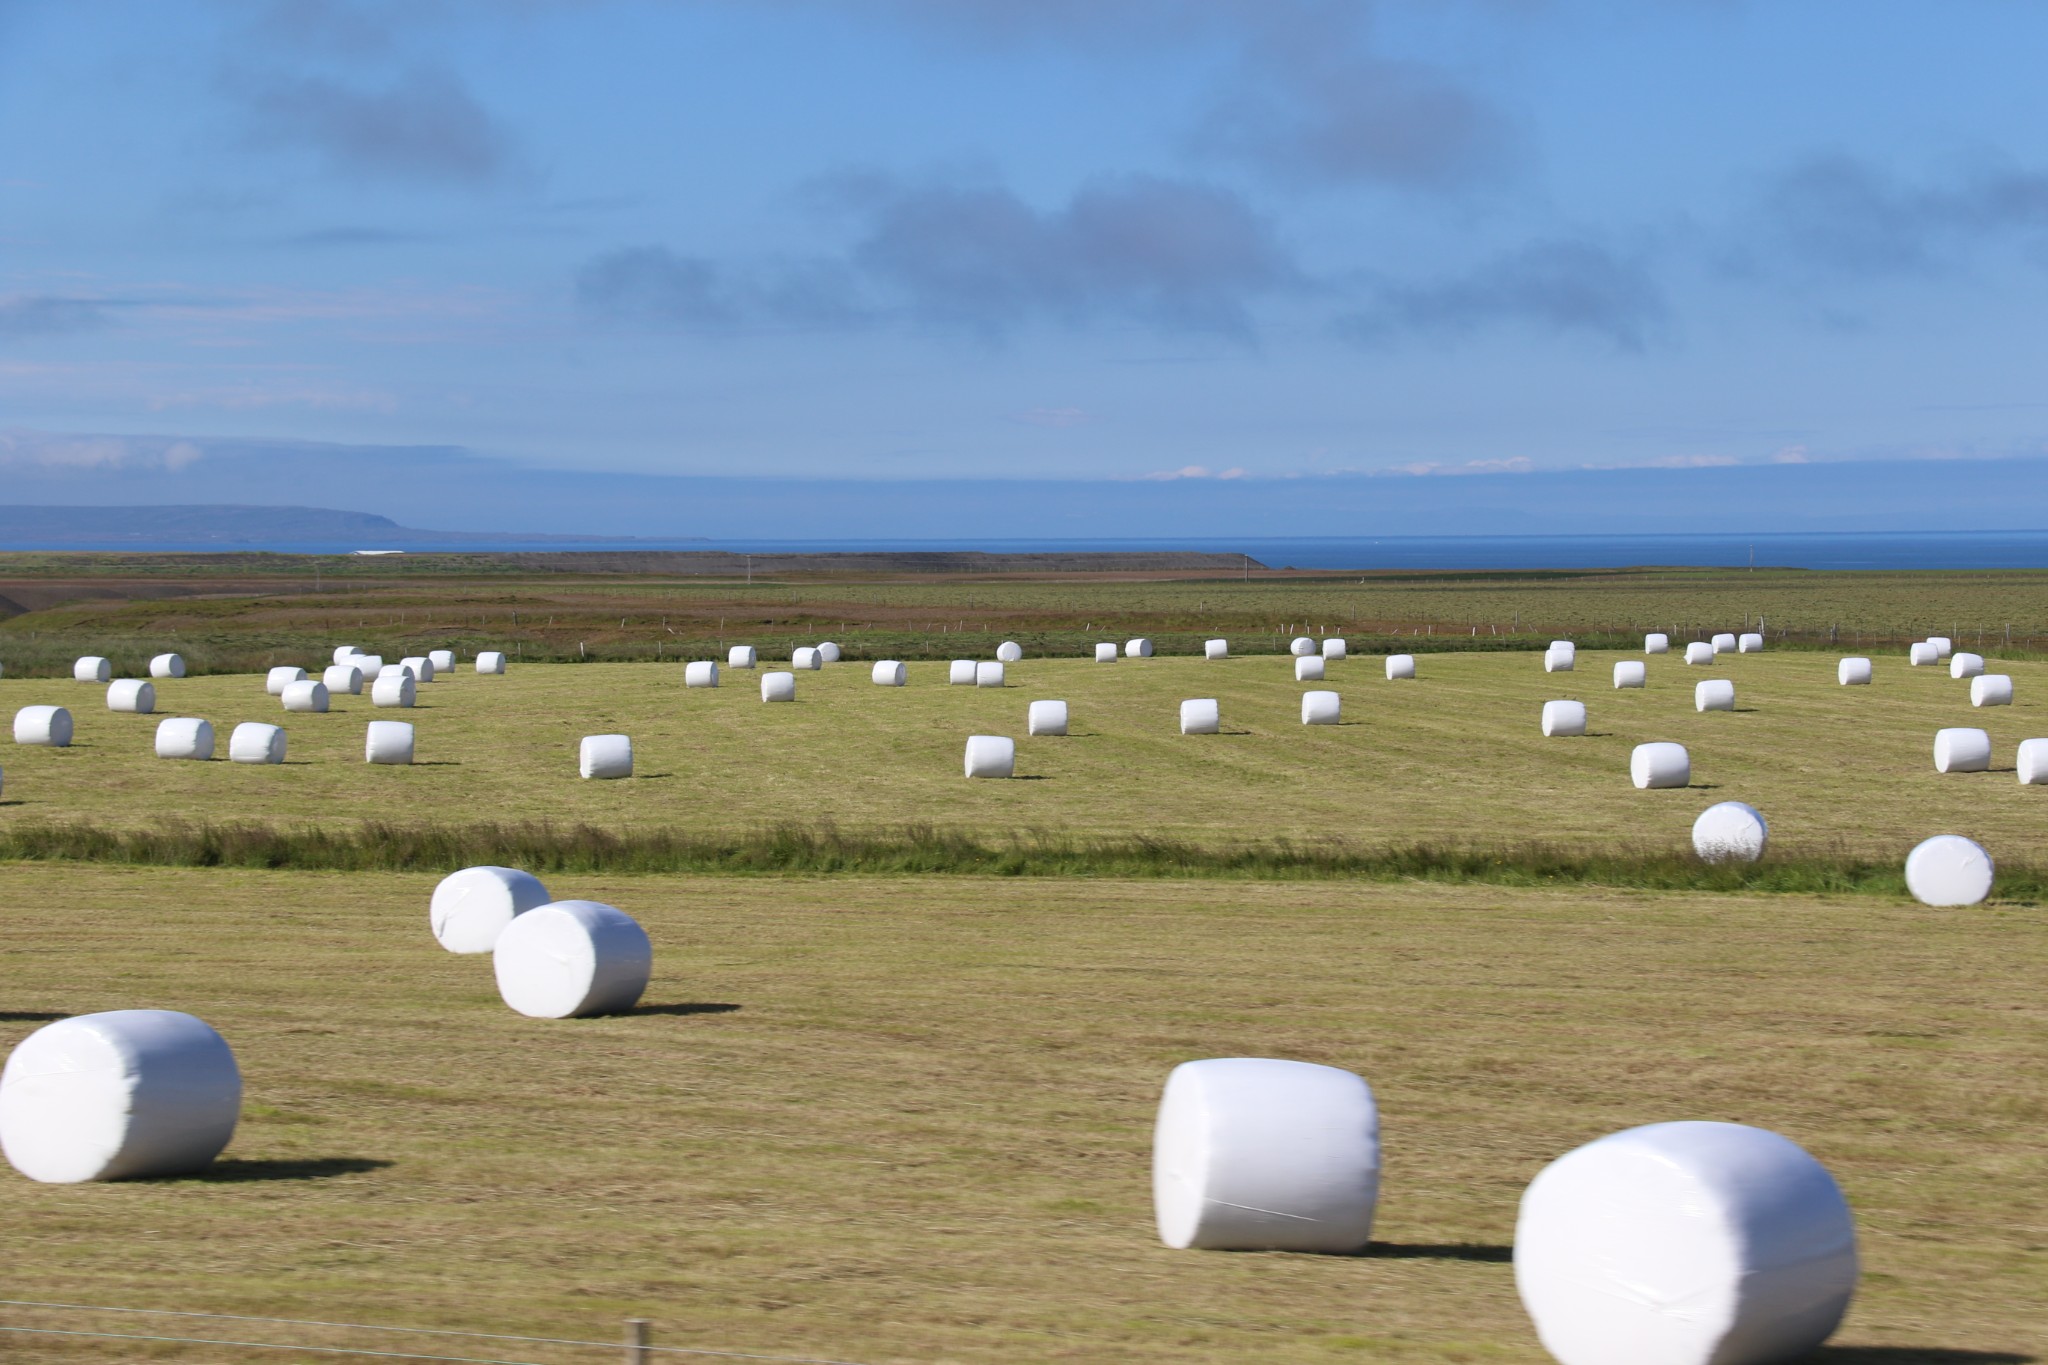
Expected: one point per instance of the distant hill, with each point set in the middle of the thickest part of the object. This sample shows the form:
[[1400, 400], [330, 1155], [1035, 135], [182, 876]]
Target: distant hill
[[306, 530]]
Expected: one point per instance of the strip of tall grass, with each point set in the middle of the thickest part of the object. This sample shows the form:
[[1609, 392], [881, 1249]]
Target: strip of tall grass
[[819, 849]]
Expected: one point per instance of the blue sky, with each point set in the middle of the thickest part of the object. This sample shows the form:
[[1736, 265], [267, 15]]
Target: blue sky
[[987, 239]]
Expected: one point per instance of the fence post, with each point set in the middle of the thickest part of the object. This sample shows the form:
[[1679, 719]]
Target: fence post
[[637, 1341]]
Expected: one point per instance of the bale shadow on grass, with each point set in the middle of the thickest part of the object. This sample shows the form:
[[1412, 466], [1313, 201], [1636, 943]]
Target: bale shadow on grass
[[1913, 1355], [1439, 1251], [242, 1170], [31, 1016], [687, 1007]]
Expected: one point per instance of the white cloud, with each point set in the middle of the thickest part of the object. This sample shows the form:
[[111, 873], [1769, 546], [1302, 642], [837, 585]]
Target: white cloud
[[41, 450]]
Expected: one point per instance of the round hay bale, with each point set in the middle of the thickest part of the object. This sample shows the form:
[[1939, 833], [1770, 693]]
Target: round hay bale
[[49, 726], [1139, 648], [1400, 666], [1656, 642], [1991, 689], [1564, 718], [700, 673], [1943, 646], [572, 959], [1046, 718], [91, 668], [1333, 647], [890, 673], [167, 666], [1301, 646], [1216, 649], [1714, 694], [1009, 652], [278, 679], [806, 659], [1201, 716], [1699, 652], [991, 756], [1631, 673], [1751, 643], [778, 687], [1730, 832], [740, 656], [471, 908], [1310, 668], [119, 1095], [1321, 708], [1682, 1243], [960, 673], [1964, 664], [346, 679], [1259, 1154], [443, 661], [1105, 653], [1923, 655], [394, 688], [372, 666], [254, 742], [1960, 749], [184, 737], [1853, 672], [1949, 870], [828, 653], [306, 696], [605, 757], [388, 741], [135, 697], [490, 661], [1561, 657], [1724, 642], [2032, 762], [1659, 765], [988, 675], [422, 667], [343, 653]]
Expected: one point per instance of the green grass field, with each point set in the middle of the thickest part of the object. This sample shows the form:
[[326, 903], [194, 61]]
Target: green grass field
[[908, 1120]]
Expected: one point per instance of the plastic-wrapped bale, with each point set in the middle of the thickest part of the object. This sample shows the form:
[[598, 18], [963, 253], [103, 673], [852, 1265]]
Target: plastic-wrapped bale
[[700, 673], [1201, 716], [806, 659], [1009, 652], [1943, 646], [740, 656], [1699, 652], [1400, 666], [184, 737], [422, 667], [135, 697], [167, 666], [1683, 1244], [1216, 649], [472, 907], [1139, 648], [988, 674], [1724, 642], [1949, 870], [778, 687], [828, 653], [1961, 749], [1260, 1154], [443, 660], [569, 959], [371, 664], [343, 653], [1301, 645], [2032, 762], [1923, 655], [491, 661], [602, 757], [1560, 658], [278, 679], [1963, 664], [48, 726], [991, 756], [1105, 653], [1631, 673], [1658, 765], [1991, 689], [125, 1094], [889, 673], [92, 669], [395, 688], [1714, 694], [346, 679], [1321, 708], [1751, 643], [306, 696], [1334, 648], [1853, 672], [1564, 718], [960, 673], [1656, 642], [1310, 668], [254, 742], [1046, 718], [1730, 832], [388, 741]]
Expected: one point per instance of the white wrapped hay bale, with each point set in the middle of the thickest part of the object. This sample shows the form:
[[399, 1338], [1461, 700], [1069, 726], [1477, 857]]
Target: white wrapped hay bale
[[889, 673], [1949, 870], [443, 661], [569, 959], [343, 653], [372, 666], [1334, 648], [471, 908], [1400, 666], [422, 667], [991, 756], [1321, 708], [394, 687], [1631, 673], [184, 737], [1201, 716], [49, 726], [828, 653], [1961, 749], [1922, 655], [1560, 660], [1963, 664], [603, 757], [1699, 652], [167, 666], [388, 741], [1730, 832], [1724, 642], [1656, 642], [399, 670], [1660, 764], [1715, 694], [1046, 718], [1139, 648], [740, 656], [490, 661], [119, 1095], [91, 668], [988, 674], [135, 697], [2032, 762], [960, 673], [1260, 1154], [806, 659], [700, 673], [1943, 646], [308, 696], [346, 679], [254, 742], [1685, 1244], [1009, 652], [1853, 672], [778, 687], [1105, 653], [278, 679], [1991, 689], [1301, 645], [1310, 668], [1564, 718], [1216, 649], [1751, 643]]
